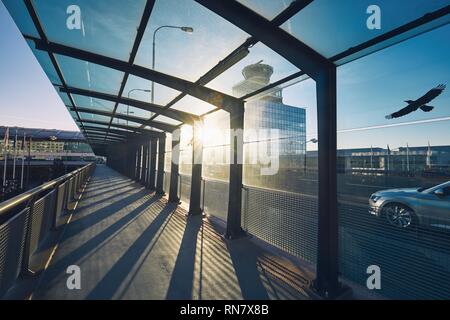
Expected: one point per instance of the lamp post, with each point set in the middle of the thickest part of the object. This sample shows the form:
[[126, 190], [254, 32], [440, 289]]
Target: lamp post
[[185, 29], [313, 140], [129, 92]]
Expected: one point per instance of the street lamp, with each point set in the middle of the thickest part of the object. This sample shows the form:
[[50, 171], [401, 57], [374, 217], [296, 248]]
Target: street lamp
[[185, 29], [313, 140], [129, 92]]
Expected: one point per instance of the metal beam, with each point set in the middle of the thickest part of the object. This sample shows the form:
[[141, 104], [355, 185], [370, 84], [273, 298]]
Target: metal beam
[[234, 214], [115, 131], [214, 97], [102, 135], [327, 283], [174, 114], [295, 51], [155, 124], [103, 132], [145, 131]]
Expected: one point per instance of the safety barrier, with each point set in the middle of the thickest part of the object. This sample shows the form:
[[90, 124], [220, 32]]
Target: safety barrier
[[27, 220]]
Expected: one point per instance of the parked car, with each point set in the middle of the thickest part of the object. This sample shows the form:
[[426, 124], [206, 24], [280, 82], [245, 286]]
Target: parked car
[[408, 207]]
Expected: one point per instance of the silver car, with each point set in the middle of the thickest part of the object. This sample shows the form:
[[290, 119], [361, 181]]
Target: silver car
[[408, 207]]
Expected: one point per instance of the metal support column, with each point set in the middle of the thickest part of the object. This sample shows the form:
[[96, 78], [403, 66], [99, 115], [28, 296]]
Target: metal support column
[[173, 193], [131, 155], [196, 178], [161, 162], [152, 168], [136, 171], [145, 155], [234, 229], [326, 282]]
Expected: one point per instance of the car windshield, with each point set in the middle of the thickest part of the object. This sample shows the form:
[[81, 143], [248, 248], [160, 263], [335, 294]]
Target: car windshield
[[442, 185]]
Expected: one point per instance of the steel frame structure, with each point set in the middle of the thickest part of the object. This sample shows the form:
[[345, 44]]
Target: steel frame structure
[[140, 144]]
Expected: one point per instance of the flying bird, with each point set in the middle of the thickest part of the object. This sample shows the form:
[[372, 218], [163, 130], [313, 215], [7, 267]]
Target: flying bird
[[421, 103]]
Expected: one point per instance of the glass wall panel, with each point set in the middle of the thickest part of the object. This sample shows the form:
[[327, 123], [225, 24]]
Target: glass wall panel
[[393, 146], [216, 146], [186, 150], [280, 168], [216, 169]]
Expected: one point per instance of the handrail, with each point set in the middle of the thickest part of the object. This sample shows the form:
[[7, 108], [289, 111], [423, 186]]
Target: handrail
[[21, 198]]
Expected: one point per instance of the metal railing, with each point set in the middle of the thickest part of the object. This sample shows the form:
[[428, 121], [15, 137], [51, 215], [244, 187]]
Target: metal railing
[[27, 220]]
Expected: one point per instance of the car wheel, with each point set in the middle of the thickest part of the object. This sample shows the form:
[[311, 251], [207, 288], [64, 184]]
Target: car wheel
[[399, 215]]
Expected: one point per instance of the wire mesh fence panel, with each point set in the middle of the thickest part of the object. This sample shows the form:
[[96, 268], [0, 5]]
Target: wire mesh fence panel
[[284, 219], [60, 202], [42, 218], [12, 240], [414, 264], [166, 185], [394, 167], [69, 193], [215, 198], [185, 188]]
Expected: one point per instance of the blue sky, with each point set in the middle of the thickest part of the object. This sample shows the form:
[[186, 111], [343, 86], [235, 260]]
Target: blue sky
[[368, 88]]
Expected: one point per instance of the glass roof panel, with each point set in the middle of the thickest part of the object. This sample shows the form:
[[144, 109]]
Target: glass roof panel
[[73, 114], [212, 39], [90, 76], [435, 24], [153, 129], [193, 105], [46, 64], [331, 27], [135, 86], [107, 27], [167, 120], [19, 13], [96, 117], [64, 97], [132, 111], [96, 125], [267, 67], [126, 123], [269, 9], [92, 103]]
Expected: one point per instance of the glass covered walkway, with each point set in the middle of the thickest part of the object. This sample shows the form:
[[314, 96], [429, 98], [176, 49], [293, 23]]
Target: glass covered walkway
[[131, 244], [281, 121]]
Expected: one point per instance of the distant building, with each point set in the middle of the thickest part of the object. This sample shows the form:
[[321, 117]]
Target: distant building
[[403, 159], [46, 144], [269, 112]]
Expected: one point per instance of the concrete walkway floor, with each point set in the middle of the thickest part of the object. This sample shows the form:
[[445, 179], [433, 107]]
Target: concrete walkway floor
[[131, 244]]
